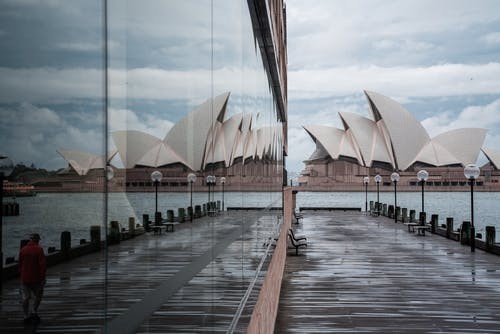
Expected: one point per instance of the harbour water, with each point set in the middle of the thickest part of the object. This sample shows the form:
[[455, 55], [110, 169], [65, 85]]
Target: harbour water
[[50, 214]]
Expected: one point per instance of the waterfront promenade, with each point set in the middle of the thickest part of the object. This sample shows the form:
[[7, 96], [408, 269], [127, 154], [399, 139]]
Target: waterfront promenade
[[363, 274], [359, 274], [191, 280]]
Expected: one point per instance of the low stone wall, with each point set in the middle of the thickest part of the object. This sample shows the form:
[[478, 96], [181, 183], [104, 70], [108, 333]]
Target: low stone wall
[[266, 309], [11, 271]]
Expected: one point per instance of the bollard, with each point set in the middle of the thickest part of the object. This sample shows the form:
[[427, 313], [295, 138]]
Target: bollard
[[182, 214], [398, 213], [114, 233], [434, 222], [384, 209], [490, 237], [158, 218], [190, 212], [197, 211], [449, 227], [146, 222], [218, 205], [204, 209], [390, 211], [65, 242], [95, 235], [170, 216], [404, 215], [421, 218], [465, 233], [131, 226], [412, 216]]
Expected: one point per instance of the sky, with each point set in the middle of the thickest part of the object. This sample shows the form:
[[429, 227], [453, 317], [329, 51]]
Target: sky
[[439, 59]]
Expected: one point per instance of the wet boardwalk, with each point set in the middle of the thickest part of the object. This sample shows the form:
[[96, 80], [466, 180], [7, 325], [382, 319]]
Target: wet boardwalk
[[364, 274], [191, 280]]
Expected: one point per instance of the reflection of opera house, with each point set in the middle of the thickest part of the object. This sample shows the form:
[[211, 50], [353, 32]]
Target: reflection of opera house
[[204, 142], [393, 140]]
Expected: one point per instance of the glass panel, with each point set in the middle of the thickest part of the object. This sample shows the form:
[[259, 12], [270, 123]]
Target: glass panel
[[52, 126], [162, 164]]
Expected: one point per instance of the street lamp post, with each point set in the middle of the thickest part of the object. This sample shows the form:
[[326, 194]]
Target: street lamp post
[[6, 167], [156, 177], [223, 182], [366, 180], [422, 176], [378, 179], [210, 179], [395, 179], [472, 172], [191, 179]]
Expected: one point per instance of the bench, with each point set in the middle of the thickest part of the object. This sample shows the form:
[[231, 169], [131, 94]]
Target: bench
[[411, 226], [421, 229], [169, 227], [296, 239], [297, 216], [158, 228], [293, 244]]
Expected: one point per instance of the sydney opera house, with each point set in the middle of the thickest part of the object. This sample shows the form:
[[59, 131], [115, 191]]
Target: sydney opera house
[[393, 140], [204, 142]]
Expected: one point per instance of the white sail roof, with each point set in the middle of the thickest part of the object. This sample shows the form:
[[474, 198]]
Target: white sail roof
[[407, 137], [334, 140], [366, 137], [189, 136], [464, 144], [132, 145], [83, 162], [493, 156]]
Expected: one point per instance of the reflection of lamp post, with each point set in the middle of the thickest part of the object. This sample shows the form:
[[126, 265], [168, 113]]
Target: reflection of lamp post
[[210, 179], [471, 172], [395, 179], [378, 179], [366, 180], [422, 176], [6, 167], [156, 177], [223, 181], [191, 179], [110, 173]]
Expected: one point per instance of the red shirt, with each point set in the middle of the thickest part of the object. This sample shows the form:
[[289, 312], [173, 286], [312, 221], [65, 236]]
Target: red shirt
[[32, 265]]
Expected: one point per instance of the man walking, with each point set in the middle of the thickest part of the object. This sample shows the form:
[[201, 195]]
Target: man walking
[[32, 267]]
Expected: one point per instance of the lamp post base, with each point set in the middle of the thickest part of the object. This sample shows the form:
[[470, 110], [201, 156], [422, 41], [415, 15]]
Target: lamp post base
[[472, 239]]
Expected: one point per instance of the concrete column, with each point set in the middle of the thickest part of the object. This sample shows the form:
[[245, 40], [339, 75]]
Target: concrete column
[[422, 218], [404, 214], [181, 214], [95, 234], [131, 225], [465, 233], [390, 210], [490, 237], [412, 216], [449, 227], [170, 216], [65, 242], [434, 222]]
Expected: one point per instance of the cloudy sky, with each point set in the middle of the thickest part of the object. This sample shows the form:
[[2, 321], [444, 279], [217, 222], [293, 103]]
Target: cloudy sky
[[440, 59]]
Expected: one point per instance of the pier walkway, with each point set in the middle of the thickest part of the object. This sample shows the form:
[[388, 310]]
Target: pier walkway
[[362, 274], [359, 274], [191, 280]]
